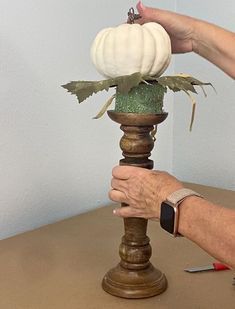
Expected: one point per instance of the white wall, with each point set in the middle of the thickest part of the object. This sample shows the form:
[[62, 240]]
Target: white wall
[[55, 161], [207, 155]]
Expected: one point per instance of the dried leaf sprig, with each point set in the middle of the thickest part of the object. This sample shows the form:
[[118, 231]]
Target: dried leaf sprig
[[179, 82]]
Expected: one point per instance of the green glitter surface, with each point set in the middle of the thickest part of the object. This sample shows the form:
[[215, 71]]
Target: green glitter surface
[[143, 99]]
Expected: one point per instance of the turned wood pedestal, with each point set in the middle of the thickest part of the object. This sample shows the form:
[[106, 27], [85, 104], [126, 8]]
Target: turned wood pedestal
[[135, 276]]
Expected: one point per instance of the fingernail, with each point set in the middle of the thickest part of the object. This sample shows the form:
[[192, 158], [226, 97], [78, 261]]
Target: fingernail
[[114, 211], [140, 5]]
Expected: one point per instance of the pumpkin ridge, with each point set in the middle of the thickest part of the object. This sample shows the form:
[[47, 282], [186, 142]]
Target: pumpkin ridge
[[108, 53], [161, 40], [136, 64], [153, 53], [99, 50]]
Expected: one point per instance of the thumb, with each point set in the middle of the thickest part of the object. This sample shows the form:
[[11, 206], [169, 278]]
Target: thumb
[[149, 14], [140, 7], [142, 10]]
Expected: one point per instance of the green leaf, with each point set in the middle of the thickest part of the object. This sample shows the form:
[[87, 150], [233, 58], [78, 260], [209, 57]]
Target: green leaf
[[84, 89]]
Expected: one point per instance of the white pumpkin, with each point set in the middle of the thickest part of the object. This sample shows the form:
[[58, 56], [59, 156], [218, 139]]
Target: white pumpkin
[[131, 48]]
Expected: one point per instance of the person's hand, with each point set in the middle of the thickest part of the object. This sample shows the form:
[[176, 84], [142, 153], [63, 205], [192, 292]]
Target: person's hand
[[143, 190], [179, 27]]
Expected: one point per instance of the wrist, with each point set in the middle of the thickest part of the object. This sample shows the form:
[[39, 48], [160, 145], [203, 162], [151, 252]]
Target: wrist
[[170, 210], [196, 25], [190, 212], [202, 36]]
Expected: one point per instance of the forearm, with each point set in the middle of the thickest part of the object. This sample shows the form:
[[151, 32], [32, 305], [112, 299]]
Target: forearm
[[216, 45], [210, 226]]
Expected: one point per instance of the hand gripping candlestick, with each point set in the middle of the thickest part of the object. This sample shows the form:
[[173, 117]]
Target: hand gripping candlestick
[[135, 276]]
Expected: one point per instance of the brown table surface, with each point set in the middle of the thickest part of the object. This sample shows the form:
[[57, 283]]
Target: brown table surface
[[62, 265]]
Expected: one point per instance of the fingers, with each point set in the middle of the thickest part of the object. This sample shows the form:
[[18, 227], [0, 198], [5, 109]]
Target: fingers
[[123, 172], [117, 196], [118, 184], [140, 7], [164, 17], [147, 14], [127, 212], [142, 11]]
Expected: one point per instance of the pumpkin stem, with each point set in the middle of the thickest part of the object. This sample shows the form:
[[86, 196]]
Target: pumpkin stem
[[132, 16]]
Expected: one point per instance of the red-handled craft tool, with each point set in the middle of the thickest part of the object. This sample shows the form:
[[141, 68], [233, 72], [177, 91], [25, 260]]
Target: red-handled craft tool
[[214, 266]]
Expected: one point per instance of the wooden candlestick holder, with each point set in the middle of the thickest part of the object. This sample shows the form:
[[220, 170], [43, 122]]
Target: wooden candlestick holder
[[135, 276]]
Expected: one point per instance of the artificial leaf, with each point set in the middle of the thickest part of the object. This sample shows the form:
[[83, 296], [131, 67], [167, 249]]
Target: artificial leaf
[[193, 109], [197, 82], [176, 83], [153, 133], [84, 89], [127, 82], [186, 83], [104, 108]]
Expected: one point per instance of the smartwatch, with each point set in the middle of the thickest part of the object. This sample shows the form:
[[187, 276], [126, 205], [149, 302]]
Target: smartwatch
[[169, 216]]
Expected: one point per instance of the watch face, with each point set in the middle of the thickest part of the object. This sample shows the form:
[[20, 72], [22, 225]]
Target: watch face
[[167, 217]]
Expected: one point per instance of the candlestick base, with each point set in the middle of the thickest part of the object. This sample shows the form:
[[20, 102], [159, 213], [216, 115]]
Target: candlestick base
[[128, 283]]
